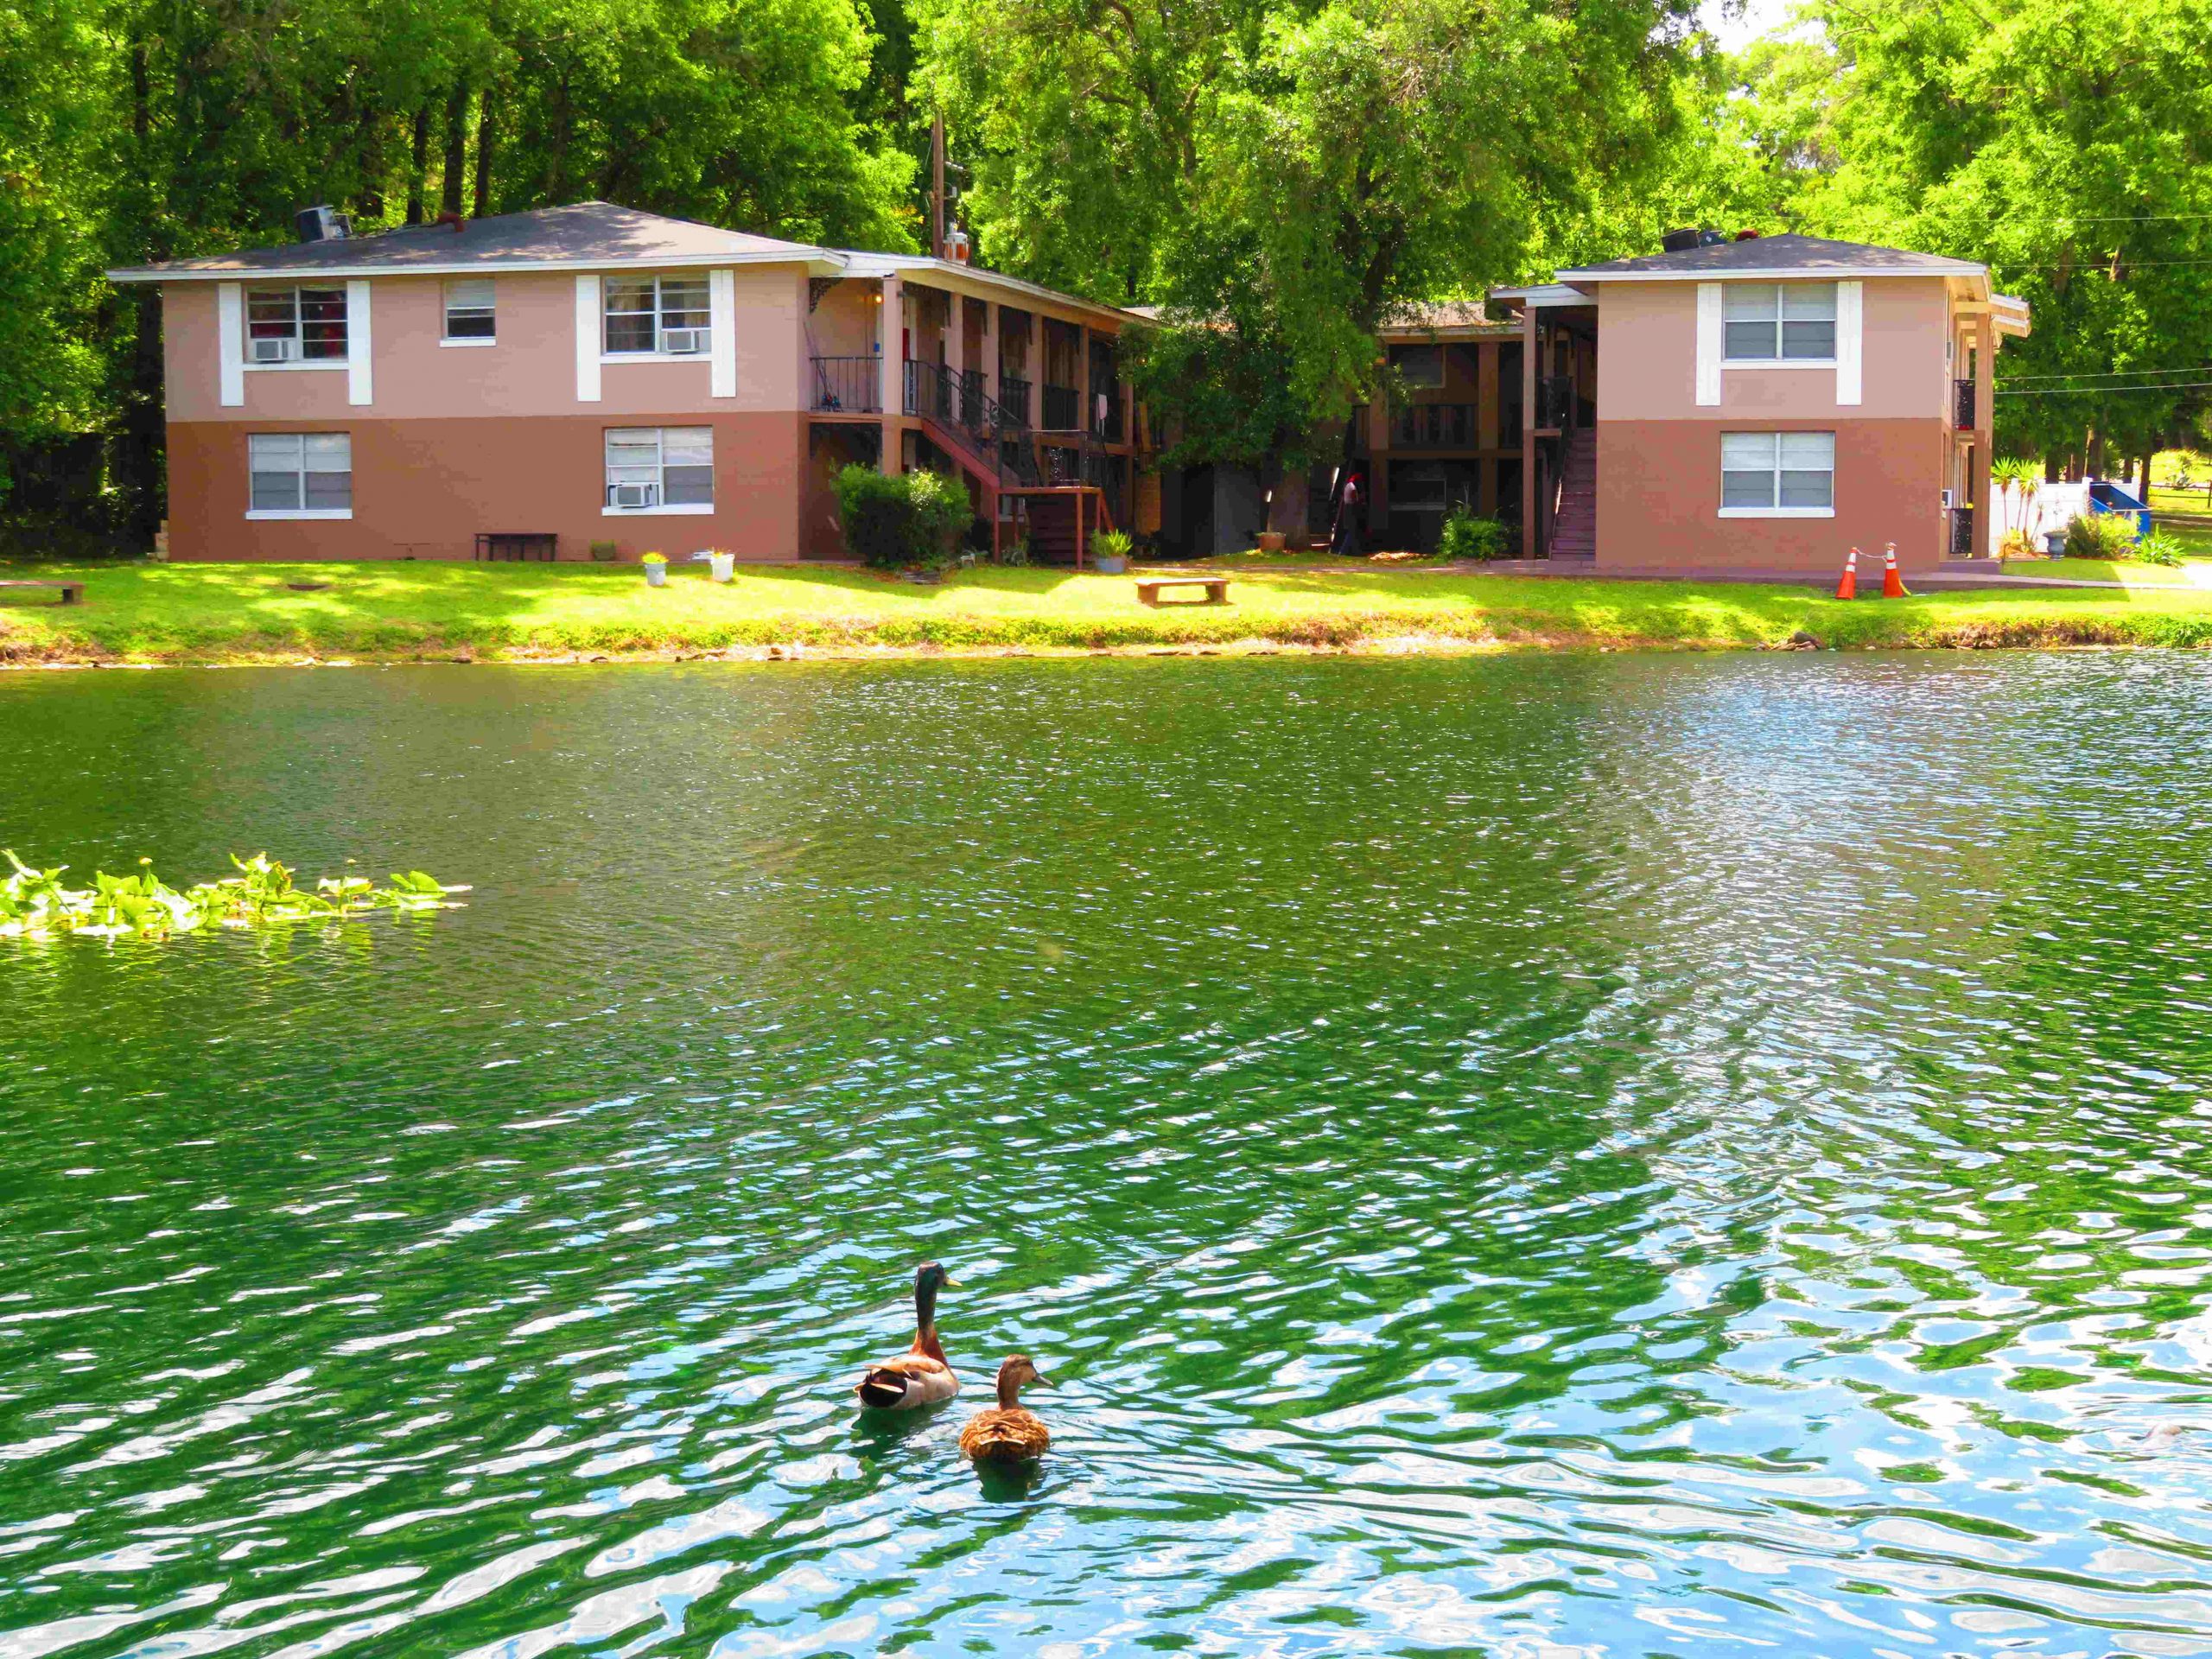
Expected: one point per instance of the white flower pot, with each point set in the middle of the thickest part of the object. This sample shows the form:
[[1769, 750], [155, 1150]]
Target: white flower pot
[[656, 575], [723, 566]]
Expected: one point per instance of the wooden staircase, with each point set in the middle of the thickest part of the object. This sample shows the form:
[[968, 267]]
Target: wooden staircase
[[1574, 535], [1054, 515]]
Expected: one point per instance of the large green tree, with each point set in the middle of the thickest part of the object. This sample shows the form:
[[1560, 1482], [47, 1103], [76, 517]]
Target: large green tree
[[141, 129], [1280, 178], [2066, 142]]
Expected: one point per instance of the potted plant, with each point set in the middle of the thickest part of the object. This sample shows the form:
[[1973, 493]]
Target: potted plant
[[1109, 552], [656, 569], [1271, 541], [721, 563]]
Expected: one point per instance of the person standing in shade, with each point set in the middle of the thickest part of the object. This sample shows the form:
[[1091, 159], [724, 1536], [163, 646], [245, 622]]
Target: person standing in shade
[[1351, 506]]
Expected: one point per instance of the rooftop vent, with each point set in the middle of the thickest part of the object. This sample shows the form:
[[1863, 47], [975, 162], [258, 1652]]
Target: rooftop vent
[[1709, 237], [1678, 241], [322, 224]]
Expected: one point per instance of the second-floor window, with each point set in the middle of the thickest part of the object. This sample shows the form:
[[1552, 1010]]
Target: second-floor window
[[1779, 322], [650, 467], [661, 315], [471, 317], [294, 325]]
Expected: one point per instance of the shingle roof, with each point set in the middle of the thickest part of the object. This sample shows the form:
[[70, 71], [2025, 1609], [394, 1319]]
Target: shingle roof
[[581, 233], [1789, 252]]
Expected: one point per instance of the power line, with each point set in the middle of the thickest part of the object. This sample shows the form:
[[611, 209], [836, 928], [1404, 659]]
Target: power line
[[2106, 374], [2098, 391], [2129, 218]]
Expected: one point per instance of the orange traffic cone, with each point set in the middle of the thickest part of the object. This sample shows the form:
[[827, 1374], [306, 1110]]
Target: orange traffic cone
[[1892, 583], [1848, 588]]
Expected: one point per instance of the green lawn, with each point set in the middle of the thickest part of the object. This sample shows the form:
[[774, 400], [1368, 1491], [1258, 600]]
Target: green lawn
[[236, 612], [2132, 572]]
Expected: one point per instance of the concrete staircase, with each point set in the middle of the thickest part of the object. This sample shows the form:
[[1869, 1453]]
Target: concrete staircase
[[1575, 534]]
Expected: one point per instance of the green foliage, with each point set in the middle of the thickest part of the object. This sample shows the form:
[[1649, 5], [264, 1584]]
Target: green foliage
[[1112, 545], [2016, 470], [893, 523], [2065, 142], [2100, 536], [1469, 536], [1280, 178], [132, 132], [35, 905], [2158, 548], [604, 552]]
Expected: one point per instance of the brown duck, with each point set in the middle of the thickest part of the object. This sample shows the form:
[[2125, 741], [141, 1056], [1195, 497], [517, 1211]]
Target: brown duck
[[1008, 1434], [919, 1376]]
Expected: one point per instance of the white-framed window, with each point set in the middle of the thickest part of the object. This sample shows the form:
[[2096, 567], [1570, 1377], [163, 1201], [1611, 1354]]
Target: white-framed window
[[300, 475], [660, 469], [471, 317], [1778, 322], [294, 325], [658, 316], [1777, 474]]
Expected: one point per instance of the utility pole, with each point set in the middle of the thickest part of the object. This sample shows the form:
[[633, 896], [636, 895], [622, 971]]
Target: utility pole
[[937, 187]]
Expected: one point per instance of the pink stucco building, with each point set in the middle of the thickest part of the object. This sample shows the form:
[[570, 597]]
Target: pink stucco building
[[540, 382], [1759, 404]]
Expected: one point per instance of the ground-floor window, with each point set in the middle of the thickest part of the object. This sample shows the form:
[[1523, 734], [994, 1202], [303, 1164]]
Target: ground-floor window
[[300, 475], [660, 469], [1777, 474]]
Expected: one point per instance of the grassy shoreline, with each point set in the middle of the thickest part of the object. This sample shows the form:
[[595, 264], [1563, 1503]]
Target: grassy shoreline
[[240, 615]]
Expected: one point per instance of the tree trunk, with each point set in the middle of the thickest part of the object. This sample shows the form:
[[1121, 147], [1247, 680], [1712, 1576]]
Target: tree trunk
[[140, 455], [418, 163], [455, 172], [371, 142], [483, 205]]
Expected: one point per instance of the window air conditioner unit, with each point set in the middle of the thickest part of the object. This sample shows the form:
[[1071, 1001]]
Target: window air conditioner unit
[[637, 495], [683, 341], [272, 351]]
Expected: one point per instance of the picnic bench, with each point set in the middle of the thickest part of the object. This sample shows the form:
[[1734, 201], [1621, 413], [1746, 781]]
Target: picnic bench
[[73, 593], [1216, 588]]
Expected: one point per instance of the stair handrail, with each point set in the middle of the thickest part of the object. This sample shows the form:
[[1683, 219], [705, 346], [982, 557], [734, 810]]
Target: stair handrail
[[971, 415]]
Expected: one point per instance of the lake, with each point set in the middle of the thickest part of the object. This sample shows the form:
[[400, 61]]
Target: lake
[[1523, 1155]]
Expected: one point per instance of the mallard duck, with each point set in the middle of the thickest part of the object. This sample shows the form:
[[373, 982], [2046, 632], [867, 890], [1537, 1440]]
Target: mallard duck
[[1008, 1434], [919, 1376]]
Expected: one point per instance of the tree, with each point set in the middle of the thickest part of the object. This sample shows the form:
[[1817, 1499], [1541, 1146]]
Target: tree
[[1279, 179], [2068, 144]]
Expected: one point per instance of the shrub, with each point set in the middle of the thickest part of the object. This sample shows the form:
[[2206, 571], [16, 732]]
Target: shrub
[[2158, 548], [1111, 545], [604, 552], [1469, 536], [916, 518], [2100, 536], [942, 516]]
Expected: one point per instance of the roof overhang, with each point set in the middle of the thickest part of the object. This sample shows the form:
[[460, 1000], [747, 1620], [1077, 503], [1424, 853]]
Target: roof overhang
[[2009, 315], [957, 277], [1538, 296], [1777, 274], [818, 261]]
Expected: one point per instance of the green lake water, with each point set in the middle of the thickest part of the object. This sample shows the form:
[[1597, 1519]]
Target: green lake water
[[1539, 1156]]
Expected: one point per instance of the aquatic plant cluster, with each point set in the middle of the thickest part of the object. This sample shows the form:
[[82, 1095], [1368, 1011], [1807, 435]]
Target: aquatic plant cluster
[[35, 905]]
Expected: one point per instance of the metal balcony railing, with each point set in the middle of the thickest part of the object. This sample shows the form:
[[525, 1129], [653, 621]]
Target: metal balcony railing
[[1063, 410], [1962, 404], [848, 385], [1013, 397], [959, 407], [1433, 426], [1554, 403], [1961, 542]]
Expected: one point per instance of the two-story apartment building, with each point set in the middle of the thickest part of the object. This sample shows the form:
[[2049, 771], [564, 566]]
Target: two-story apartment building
[[1764, 403], [1760, 405], [540, 382]]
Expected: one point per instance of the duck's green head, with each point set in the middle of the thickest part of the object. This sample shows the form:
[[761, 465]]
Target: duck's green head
[[929, 1279]]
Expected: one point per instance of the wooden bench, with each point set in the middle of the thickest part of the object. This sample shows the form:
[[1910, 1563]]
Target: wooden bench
[[1216, 588], [73, 593]]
